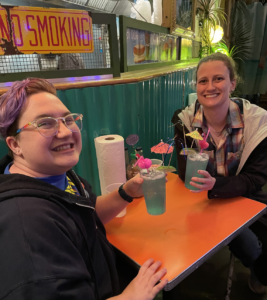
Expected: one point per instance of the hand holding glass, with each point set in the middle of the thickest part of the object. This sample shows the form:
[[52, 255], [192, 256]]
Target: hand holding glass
[[154, 188], [195, 162]]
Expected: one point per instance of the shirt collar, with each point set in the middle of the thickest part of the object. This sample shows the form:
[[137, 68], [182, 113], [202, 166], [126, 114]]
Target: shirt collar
[[234, 118]]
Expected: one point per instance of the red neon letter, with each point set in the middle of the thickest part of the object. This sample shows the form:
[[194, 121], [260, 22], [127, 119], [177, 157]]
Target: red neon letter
[[51, 31], [18, 41], [76, 32], [87, 35], [43, 27], [63, 29], [33, 30], [70, 31], [4, 29]]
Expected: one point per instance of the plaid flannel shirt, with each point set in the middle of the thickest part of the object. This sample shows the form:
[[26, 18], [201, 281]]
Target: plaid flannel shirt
[[224, 158]]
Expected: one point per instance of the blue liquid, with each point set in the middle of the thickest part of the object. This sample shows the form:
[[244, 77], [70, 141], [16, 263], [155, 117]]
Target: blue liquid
[[155, 193], [193, 165]]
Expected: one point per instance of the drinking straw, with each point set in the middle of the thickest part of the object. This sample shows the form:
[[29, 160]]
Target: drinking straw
[[138, 159], [183, 148], [184, 136], [170, 159], [182, 124], [205, 139]]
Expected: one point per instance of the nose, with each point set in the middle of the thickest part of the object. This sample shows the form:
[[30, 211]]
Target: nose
[[63, 130], [210, 85]]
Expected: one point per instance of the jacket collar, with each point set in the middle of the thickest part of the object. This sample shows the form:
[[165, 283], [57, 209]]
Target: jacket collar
[[234, 118]]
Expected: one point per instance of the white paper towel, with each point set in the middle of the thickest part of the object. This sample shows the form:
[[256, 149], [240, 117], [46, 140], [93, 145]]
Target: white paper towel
[[110, 160]]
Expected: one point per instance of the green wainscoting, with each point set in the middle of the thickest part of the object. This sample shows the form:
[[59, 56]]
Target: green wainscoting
[[144, 108]]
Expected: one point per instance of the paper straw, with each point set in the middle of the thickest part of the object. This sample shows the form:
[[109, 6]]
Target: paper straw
[[170, 159]]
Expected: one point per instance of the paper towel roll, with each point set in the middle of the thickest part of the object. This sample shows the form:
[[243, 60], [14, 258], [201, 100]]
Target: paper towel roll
[[110, 160]]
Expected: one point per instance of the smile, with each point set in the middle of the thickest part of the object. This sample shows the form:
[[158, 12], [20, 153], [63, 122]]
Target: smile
[[211, 96], [63, 147]]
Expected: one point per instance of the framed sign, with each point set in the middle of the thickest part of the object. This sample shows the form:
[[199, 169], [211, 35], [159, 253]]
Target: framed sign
[[183, 17], [179, 16], [27, 30]]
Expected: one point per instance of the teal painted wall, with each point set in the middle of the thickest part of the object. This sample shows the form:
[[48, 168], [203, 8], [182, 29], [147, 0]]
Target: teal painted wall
[[143, 108]]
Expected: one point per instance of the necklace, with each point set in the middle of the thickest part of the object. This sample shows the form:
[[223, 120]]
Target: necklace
[[216, 131]]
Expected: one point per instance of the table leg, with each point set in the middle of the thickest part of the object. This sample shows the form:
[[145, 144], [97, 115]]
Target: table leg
[[172, 294], [229, 278]]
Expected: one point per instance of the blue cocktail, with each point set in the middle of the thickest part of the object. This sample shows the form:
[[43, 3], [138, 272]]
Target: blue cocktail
[[154, 188], [195, 162]]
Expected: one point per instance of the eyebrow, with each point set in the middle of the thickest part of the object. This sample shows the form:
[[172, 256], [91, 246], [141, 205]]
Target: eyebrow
[[213, 76], [51, 116]]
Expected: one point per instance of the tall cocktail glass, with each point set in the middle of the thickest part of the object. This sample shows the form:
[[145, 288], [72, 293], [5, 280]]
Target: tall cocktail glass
[[154, 188], [195, 162]]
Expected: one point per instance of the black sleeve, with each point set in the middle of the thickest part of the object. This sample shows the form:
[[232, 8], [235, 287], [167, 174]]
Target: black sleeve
[[41, 253], [251, 179]]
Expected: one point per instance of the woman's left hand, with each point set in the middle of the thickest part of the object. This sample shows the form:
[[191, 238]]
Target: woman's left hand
[[207, 182], [133, 187]]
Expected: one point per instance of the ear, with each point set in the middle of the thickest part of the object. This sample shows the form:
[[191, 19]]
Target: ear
[[13, 145], [233, 85]]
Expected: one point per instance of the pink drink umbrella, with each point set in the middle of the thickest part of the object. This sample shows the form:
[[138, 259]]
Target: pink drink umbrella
[[162, 148]]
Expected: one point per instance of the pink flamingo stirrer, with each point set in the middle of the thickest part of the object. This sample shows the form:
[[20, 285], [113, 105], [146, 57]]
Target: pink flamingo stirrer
[[204, 144], [143, 163]]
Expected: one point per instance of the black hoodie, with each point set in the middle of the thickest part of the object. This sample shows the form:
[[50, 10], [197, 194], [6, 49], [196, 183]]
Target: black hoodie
[[52, 243]]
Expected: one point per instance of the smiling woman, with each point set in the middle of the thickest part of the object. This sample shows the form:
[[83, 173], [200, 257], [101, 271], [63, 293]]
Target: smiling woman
[[237, 144], [51, 222]]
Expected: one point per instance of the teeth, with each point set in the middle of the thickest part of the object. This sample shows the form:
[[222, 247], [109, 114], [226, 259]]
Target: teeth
[[211, 96], [63, 147]]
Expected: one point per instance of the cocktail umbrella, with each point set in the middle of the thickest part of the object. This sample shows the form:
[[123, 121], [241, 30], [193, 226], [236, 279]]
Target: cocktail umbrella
[[195, 136], [162, 148]]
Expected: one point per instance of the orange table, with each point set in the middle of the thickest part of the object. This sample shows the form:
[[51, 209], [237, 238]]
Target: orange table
[[191, 231]]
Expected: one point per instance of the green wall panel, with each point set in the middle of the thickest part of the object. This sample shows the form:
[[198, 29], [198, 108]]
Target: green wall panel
[[143, 108], [3, 148]]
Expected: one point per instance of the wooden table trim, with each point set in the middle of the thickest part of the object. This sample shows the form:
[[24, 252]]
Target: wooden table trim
[[126, 78]]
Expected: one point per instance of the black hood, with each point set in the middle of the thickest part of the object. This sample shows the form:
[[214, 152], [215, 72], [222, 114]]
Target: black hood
[[14, 185]]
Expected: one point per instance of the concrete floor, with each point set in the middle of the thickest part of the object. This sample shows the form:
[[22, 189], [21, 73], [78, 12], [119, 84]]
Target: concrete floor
[[209, 281]]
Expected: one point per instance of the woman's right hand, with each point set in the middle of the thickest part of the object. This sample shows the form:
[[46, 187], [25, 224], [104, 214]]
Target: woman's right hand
[[143, 286]]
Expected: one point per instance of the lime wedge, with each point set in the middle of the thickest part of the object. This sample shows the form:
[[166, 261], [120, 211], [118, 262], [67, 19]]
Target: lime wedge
[[166, 169], [186, 150]]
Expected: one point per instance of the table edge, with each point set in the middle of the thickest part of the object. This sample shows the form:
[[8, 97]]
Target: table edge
[[175, 281]]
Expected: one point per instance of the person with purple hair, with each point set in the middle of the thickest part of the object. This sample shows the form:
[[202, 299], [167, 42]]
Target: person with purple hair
[[52, 238]]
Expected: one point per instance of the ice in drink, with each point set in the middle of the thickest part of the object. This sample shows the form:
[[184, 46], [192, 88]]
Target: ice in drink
[[195, 162], [154, 188]]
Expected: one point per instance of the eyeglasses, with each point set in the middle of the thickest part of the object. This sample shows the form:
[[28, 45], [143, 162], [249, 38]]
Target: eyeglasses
[[48, 126]]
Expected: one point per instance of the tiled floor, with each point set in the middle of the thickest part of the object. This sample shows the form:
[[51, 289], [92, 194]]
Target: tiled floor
[[208, 282]]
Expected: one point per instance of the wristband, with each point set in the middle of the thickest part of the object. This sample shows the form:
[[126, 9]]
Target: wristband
[[123, 194]]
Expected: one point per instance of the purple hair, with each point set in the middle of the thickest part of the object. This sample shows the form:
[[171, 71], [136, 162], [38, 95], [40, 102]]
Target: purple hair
[[14, 100]]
